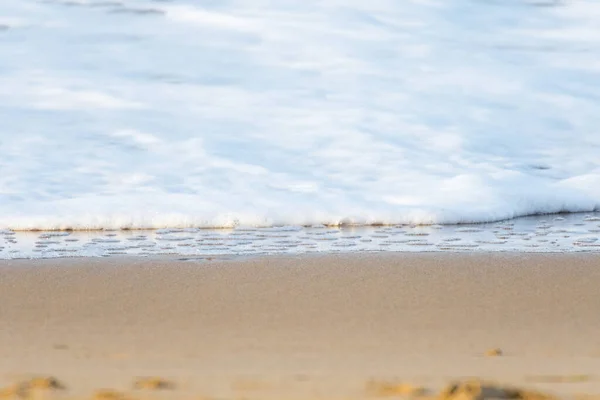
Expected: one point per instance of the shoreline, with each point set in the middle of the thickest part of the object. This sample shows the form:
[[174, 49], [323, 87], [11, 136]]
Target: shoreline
[[202, 259], [305, 326], [304, 226], [527, 235]]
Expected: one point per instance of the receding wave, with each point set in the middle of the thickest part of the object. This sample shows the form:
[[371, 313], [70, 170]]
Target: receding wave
[[295, 113]]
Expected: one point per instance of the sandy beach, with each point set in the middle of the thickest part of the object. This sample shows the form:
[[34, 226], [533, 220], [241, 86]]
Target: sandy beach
[[328, 326]]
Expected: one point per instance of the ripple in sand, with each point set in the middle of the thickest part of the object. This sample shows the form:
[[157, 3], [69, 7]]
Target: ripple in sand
[[137, 238], [174, 238], [468, 230], [452, 239], [319, 233], [47, 242], [105, 240], [460, 245], [272, 235], [344, 244], [166, 231], [491, 241], [284, 228], [400, 241], [245, 229], [53, 234], [210, 243], [236, 234], [255, 238], [506, 228], [209, 236], [272, 249], [287, 242]]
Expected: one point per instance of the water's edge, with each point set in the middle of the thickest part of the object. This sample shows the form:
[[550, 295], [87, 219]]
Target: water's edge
[[558, 233]]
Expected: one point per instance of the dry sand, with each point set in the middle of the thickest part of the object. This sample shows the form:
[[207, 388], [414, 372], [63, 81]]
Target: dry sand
[[304, 327]]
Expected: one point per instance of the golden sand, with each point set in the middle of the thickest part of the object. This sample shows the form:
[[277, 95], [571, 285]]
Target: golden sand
[[494, 352], [467, 390], [153, 383], [324, 327], [480, 390], [109, 394], [385, 389]]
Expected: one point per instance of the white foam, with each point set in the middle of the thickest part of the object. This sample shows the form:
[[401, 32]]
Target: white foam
[[203, 19], [282, 114]]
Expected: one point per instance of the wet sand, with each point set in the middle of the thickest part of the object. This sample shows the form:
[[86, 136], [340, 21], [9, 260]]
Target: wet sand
[[303, 327]]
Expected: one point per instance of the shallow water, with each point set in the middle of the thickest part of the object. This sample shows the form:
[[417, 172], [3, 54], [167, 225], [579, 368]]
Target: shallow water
[[150, 114], [550, 233]]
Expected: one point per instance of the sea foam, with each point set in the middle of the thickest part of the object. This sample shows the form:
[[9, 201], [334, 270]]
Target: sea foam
[[145, 114]]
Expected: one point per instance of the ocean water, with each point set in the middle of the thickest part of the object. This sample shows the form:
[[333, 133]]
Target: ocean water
[[568, 233], [147, 114]]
